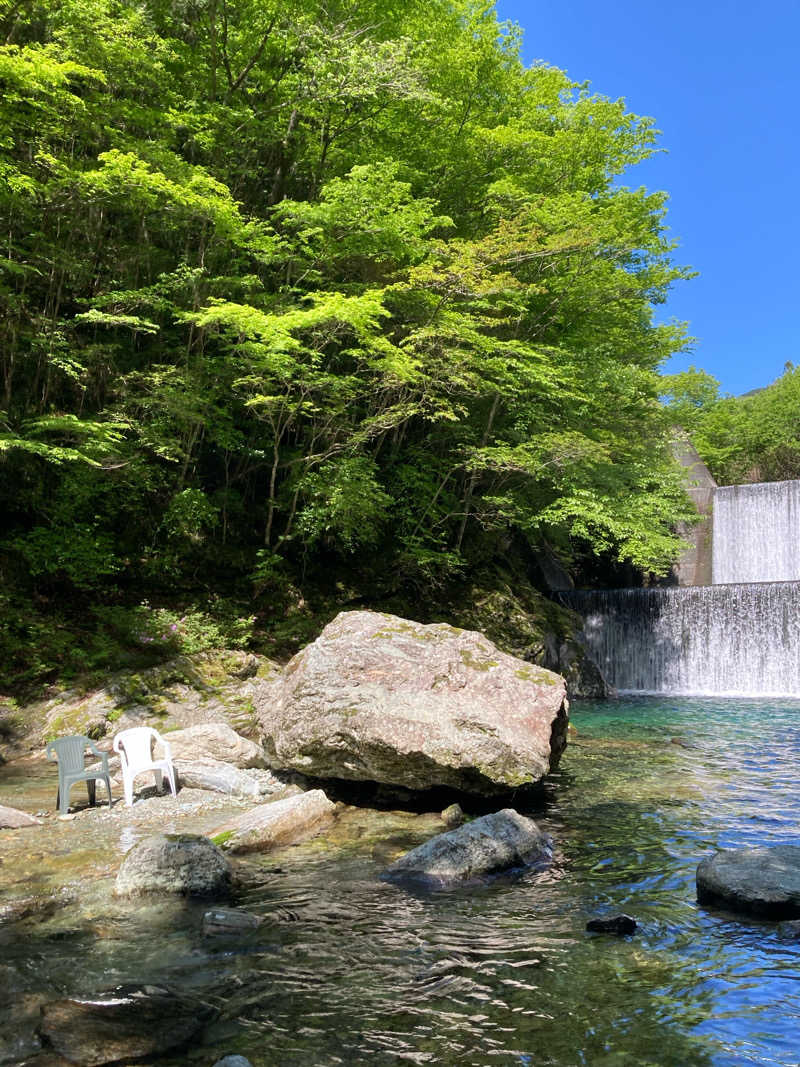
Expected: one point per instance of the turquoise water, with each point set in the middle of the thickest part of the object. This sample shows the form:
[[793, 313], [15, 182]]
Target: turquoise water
[[349, 970]]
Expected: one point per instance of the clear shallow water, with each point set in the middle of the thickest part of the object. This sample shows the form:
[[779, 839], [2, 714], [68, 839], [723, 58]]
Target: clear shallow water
[[349, 970]]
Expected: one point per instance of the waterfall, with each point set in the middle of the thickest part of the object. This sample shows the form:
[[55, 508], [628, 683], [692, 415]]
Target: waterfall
[[726, 640], [757, 533]]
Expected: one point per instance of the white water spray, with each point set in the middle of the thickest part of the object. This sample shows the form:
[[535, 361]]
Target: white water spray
[[757, 533], [732, 640]]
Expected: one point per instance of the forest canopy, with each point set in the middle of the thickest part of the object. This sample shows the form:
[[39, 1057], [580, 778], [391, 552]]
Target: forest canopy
[[288, 287]]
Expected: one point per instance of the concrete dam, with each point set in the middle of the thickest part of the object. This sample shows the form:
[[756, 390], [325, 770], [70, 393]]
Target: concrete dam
[[739, 635]]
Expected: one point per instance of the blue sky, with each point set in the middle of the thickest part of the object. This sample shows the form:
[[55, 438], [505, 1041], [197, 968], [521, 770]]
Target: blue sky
[[720, 81]]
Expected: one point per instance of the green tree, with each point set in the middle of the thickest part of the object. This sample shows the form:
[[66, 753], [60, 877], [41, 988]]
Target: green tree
[[288, 287]]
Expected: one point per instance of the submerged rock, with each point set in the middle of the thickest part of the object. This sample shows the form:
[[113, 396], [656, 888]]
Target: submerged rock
[[379, 698], [227, 921], [13, 819], [41, 905], [181, 863], [281, 822], [621, 925], [233, 1061], [759, 881], [121, 1025], [488, 845]]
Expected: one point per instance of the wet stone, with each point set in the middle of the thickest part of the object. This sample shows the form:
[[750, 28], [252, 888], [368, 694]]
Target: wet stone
[[188, 864], [502, 841], [228, 921], [758, 881], [123, 1024], [619, 925], [41, 906]]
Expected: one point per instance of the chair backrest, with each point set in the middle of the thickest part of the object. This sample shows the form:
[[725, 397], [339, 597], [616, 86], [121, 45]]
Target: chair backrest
[[136, 745], [70, 752]]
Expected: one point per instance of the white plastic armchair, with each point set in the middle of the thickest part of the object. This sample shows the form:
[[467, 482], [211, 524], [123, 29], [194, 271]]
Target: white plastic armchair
[[135, 748]]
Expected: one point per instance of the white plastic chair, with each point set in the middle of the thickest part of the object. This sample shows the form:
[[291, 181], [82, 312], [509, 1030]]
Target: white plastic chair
[[135, 748]]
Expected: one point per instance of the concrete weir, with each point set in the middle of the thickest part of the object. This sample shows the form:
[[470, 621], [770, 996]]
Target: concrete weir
[[732, 625]]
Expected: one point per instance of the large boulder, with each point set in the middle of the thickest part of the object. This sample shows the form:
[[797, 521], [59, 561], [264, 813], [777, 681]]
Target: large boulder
[[282, 822], [488, 845], [379, 698], [213, 741], [121, 1025], [759, 881], [174, 863]]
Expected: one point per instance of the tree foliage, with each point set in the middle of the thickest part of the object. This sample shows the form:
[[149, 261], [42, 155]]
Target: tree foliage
[[286, 283], [749, 438]]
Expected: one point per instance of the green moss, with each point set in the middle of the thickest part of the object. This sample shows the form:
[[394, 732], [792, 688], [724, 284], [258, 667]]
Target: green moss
[[268, 670], [220, 839], [407, 628], [73, 720], [536, 675], [476, 664]]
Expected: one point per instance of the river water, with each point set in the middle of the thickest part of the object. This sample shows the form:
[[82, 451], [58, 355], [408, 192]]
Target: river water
[[347, 969]]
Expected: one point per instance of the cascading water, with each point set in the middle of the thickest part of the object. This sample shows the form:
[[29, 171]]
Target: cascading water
[[757, 533], [737, 637], [732, 640]]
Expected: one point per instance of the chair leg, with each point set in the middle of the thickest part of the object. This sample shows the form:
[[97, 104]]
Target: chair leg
[[63, 799], [127, 788], [171, 778], [91, 789], [159, 777], [107, 781]]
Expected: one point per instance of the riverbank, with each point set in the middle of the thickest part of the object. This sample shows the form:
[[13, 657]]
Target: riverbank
[[344, 966]]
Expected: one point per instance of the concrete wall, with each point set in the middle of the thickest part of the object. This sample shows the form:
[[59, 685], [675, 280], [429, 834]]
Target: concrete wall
[[694, 567]]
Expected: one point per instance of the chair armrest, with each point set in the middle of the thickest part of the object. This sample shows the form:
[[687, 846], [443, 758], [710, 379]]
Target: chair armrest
[[164, 744], [98, 752]]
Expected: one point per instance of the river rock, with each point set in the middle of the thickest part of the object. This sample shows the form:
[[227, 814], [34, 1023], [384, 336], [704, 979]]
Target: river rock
[[121, 1025], [233, 1061], [40, 905], [619, 925], [760, 881], [487, 845], [221, 777], [213, 741], [181, 863], [229, 921], [452, 816], [281, 822], [13, 819], [379, 698]]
